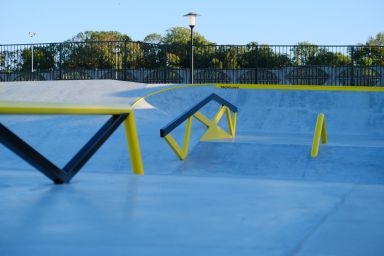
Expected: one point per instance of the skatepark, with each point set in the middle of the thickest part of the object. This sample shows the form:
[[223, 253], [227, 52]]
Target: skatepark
[[259, 192]]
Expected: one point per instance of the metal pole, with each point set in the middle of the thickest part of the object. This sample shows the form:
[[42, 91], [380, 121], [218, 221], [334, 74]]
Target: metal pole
[[32, 34], [191, 51], [32, 58], [116, 66], [116, 50], [165, 63], [352, 66], [256, 62], [125, 60]]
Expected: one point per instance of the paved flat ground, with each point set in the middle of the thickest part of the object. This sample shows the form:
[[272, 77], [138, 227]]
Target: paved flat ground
[[119, 214]]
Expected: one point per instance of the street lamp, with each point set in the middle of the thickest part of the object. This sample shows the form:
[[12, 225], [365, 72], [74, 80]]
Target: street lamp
[[191, 22], [116, 50], [32, 35]]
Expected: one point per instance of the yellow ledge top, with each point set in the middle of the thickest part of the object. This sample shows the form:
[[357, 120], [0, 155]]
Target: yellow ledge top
[[170, 88], [43, 108], [303, 87]]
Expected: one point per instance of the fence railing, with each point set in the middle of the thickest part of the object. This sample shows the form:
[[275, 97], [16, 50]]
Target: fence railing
[[158, 63]]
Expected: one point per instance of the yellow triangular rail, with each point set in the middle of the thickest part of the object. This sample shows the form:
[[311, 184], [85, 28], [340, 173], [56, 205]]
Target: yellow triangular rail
[[214, 132], [320, 133]]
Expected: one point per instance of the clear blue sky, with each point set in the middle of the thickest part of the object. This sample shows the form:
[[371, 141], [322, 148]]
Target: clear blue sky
[[223, 22]]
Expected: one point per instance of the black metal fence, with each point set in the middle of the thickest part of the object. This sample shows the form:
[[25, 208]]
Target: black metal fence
[[359, 65]]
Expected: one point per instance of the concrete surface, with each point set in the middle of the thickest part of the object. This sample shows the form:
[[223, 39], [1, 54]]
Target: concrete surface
[[258, 194]]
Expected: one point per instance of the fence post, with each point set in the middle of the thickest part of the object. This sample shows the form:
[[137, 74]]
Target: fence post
[[60, 60], [234, 65], [165, 63], [352, 66], [256, 63]]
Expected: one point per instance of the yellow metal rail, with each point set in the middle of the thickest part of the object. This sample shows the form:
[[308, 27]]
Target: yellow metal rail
[[46, 108], [320, 134], [214, 132], [40, 108]]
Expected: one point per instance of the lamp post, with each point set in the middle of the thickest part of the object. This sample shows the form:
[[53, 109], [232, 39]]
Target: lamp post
[[32, 35], [116, 50], [191, 22]]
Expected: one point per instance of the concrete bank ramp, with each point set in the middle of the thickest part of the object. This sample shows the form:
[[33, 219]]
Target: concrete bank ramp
[[275, 131]]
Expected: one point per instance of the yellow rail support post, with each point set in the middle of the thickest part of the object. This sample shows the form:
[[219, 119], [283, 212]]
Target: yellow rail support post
[[174, 146], [187, 135], [231, 122], [181, 153], [133, 144], [219, 115], [320, 133]]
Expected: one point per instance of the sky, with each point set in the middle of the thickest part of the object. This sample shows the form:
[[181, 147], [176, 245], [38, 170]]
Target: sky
[[336, 22]]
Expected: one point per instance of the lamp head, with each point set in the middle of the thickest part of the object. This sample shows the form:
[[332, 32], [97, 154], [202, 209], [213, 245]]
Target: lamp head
[[191, 18]]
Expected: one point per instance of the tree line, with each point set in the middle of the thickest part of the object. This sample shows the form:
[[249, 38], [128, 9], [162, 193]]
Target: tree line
[[106, 50]]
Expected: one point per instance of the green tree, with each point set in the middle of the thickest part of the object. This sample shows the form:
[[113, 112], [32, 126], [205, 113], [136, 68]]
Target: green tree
[[154, 38], [43, 58], [308, 54], [182, 36], [304, 53], [370, 54], [10, 60], [94, 49], [336, 59], [227, 57], [378, 40], [326, 58], [262, 56], [153, 55], [178, 39], [135, 55], [92, 36], [2, 61], [207, 56]]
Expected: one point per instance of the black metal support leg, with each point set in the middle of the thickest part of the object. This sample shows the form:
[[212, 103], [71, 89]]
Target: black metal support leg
[[57, 175], [30, 155], [90, 148]]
